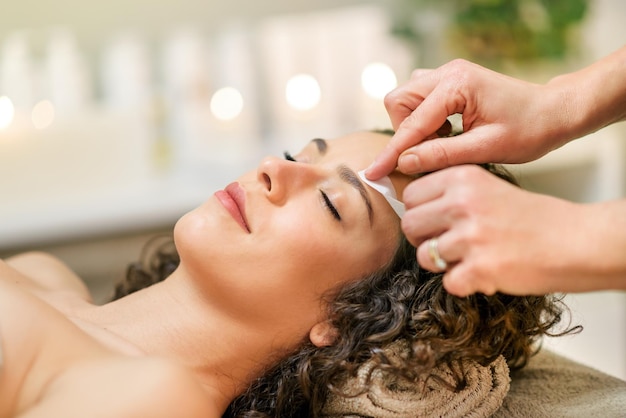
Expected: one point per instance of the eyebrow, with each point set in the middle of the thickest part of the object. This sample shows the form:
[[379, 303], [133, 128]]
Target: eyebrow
[[348, 176], [321, 145]]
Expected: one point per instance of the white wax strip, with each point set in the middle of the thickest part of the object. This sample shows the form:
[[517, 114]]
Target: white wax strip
[[385, 187]]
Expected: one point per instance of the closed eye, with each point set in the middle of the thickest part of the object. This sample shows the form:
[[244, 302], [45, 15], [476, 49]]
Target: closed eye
[[329, 205], [327, 202]]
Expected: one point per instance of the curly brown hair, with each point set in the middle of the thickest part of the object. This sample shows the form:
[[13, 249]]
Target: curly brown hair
[[401, 301]]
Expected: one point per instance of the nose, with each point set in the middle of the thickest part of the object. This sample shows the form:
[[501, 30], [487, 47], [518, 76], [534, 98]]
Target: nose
[[281, 178]]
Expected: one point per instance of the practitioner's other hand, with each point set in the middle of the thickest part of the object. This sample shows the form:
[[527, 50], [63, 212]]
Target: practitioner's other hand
[[494, 236]]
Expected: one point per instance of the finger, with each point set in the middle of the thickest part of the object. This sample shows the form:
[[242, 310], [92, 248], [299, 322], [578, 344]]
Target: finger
[[426, 188], [403, 100], [443, 131], [400, 103], [422, 122], [422, 222], [432, 250], [459, 281], [467, 148], [455, 284], [419, 74]]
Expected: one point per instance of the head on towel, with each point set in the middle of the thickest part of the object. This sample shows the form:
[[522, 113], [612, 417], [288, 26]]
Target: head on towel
[[311, 256]]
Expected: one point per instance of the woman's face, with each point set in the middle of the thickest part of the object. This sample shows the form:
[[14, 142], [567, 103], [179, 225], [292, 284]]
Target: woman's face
[[269, 246]]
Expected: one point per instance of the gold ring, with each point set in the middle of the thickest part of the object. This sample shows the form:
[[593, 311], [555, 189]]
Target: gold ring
[[433, 251]]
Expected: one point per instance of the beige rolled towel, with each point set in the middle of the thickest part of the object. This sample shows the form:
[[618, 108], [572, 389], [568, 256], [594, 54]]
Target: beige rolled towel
[[389, 397]]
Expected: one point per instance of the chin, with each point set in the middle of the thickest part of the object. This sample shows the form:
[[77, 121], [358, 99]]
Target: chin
[[192, 231]]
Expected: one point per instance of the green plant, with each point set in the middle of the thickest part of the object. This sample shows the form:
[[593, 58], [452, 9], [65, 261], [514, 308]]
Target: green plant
[[491, 31]]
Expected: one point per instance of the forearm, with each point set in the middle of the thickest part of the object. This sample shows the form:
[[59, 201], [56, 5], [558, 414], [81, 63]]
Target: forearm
[[599, 262], [591, 98]]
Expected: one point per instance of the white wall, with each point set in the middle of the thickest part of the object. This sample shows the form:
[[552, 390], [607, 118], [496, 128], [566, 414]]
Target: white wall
[[93, 21]]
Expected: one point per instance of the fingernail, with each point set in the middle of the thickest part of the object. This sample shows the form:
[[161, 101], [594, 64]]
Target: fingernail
[[409, 163], [368, 170]]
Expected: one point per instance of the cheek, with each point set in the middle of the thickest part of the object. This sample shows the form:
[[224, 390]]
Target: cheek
[[307, 250], [320, 261], [302, 260]]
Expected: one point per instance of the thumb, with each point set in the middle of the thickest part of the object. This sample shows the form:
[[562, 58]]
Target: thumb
[[438, 153]]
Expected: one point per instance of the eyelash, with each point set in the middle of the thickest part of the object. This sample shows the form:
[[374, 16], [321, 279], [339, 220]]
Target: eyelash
[[329, 205], [327, 202]]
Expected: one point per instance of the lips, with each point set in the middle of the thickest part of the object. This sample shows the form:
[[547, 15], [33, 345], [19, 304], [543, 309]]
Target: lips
[[233, 199]]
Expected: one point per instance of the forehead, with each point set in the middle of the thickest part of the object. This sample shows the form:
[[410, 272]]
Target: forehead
[[357, 150]]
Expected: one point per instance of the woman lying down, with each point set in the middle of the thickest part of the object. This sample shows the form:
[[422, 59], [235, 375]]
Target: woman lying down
[[278, 290]]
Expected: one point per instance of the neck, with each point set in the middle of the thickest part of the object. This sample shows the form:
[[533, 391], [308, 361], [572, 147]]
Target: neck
[[172, 320]]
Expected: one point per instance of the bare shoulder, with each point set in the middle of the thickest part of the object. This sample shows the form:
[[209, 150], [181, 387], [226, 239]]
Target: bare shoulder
[[125, 387], [45, 273]]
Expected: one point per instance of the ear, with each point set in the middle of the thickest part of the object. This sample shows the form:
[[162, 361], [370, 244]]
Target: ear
[[323, 334]]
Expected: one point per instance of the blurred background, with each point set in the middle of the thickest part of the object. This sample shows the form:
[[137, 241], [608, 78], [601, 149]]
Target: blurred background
[[117, 117]]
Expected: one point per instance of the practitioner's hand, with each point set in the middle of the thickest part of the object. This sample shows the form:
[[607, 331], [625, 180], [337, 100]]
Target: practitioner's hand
[[497, 237], [504, 119]]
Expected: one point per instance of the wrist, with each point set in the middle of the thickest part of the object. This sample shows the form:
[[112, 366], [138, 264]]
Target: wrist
[[591, 98], [566, 102]]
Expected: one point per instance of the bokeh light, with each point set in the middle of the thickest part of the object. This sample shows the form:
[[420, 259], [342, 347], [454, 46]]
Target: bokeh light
[[43, 114], [7, 112], [227, 103], [378, 79], [303, 92]]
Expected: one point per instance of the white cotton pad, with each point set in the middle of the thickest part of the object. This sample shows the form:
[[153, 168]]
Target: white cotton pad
[[385, 187]]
